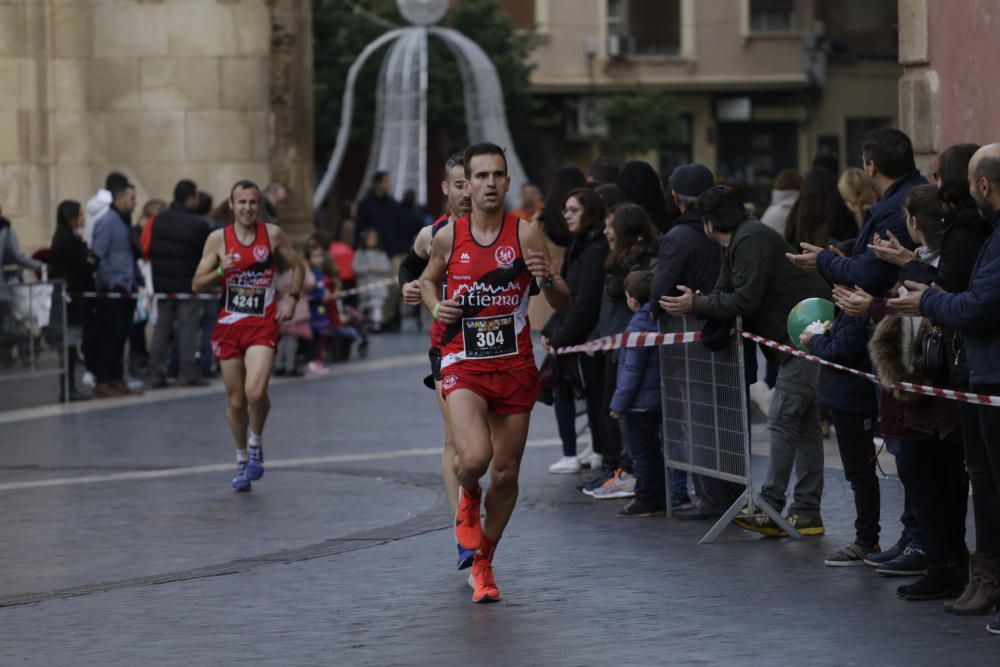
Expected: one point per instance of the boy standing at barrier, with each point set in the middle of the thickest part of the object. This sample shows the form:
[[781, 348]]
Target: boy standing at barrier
[[758, 283], [636, 404]]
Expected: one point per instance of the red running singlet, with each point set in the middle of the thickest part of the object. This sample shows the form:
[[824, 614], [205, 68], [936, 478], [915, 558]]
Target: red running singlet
[[437, 326], [492, 284], [249, 298]]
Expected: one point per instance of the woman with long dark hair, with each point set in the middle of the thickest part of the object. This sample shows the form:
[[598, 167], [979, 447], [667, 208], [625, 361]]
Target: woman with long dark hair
[[642, 186], [71, 262], [552, 220], [633, 245], [819, 216], [579, 374]]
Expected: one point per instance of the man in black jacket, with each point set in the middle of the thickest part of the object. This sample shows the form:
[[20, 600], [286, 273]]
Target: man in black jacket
[[756, 281], [175, 249], [688, 257]]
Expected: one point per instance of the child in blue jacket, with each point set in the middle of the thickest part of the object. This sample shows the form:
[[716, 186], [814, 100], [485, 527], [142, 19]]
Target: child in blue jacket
[[636, 404]]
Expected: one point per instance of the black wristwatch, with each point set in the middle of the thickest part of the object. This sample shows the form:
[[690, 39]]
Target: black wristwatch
[[295, 295], [549, 282]]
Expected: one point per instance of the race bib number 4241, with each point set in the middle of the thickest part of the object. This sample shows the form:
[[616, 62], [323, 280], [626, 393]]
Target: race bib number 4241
[[488, 337], [245, 300]]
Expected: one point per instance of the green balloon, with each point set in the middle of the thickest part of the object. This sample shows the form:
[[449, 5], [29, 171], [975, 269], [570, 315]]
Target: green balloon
[[805, 313]]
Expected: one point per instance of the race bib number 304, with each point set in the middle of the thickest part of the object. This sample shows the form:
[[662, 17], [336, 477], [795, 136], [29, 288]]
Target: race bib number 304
[[245, 300], [488, 337]]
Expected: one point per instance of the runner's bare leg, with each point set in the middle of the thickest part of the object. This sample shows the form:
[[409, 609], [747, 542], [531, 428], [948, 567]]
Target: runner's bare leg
[[234, 377], [448, 456], [258, 360], [473, 448], [510, 435]]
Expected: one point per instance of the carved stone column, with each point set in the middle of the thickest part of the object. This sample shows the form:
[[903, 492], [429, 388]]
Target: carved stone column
[[291, 79]]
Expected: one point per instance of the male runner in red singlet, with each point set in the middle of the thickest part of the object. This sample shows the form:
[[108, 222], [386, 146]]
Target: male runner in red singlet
[[455, 188], [488, 374], [246, 331]]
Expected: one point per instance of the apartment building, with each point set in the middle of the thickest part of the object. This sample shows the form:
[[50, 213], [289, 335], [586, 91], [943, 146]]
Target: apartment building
[[760, 84]]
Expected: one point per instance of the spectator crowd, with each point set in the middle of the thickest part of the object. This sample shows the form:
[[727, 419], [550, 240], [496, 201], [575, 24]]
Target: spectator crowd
[[123, 269], [912, 266]]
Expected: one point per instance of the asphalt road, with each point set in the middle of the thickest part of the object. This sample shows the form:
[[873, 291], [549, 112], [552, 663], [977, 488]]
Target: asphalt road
[[124, 545]]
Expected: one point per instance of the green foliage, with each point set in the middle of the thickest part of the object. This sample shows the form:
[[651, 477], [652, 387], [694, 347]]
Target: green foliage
[[341, 32], [643, 121]]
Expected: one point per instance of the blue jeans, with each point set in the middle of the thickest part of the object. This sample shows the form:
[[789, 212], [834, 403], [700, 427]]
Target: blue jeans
[[912, 535], [641, 437], [565, 407], [641, 433]]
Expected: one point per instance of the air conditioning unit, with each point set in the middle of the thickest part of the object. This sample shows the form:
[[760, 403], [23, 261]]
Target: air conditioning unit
[[620, 46]]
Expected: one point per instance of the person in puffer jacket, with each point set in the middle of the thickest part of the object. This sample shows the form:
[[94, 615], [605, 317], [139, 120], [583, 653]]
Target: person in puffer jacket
[[636, 406], [851, 400]]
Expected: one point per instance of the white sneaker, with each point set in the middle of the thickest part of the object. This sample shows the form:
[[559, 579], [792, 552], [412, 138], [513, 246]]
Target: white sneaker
[[471, 582], [621, 485], [595, 461], [565, 465], [761, 395], [584, 456]]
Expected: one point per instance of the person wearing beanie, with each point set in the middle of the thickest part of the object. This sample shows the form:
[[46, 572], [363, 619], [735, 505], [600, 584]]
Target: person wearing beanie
[[688, 257]]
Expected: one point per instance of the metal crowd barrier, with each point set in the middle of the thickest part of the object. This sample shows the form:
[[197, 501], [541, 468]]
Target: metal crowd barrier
[[706, 418], [33, 342]]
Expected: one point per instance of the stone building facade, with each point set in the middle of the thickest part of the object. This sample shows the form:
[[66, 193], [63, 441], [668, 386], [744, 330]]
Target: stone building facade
[[760, 84], [948, 93], [212, 90]]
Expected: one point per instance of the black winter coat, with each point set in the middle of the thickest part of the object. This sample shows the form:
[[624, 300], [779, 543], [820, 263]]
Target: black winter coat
[[863, 267], [583, 271], [70, 261], [974, 310], [175, 249], [845, 344], [615, 314], [687, 257]]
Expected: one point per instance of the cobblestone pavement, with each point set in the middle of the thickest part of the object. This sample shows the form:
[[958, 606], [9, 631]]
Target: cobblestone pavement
[[123, 545]]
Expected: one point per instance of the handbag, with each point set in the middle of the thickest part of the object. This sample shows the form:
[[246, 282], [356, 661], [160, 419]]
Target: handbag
[[934, 349], [548, 377]]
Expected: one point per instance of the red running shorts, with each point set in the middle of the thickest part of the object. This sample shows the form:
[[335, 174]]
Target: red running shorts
[[506, 392], [232, 342]]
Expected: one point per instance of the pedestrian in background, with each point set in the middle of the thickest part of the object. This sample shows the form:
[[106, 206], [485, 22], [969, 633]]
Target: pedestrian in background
[[551, 216], [856, 190], [371, 264], [118, 272], [761, 287], [787, 185], [274, 197], [72, 263], [819, 216], [688, 257], [641, 185], [580, 374], [177, 240], [636, 406]]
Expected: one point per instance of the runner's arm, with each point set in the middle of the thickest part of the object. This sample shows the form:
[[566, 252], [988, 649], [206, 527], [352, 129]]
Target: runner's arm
[[447, 311], [416, 262], [207, 275], [536, 257], [283, 249]]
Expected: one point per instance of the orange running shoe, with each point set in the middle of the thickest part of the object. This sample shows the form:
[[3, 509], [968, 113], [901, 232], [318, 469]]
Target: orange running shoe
[[468, 529], [486, 587]]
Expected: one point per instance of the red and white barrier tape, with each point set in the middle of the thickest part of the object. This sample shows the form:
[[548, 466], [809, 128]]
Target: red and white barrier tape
[[926, 390], [195, 296], [633, 340]]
